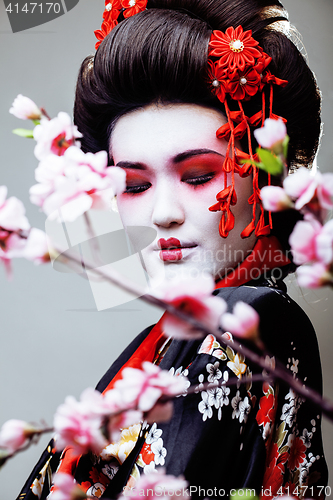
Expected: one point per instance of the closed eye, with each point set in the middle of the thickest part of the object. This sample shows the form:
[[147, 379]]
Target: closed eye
[[198, 180], [138, 188]]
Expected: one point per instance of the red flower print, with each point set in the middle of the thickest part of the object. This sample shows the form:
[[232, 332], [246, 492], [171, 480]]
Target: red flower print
[[266, 413], [236, 49], [273, 477], [207, 345], [112, 9], [104, 31], [133, 7], [244, 85], [147, 454], [98, 477], [217, 78], [297, 455]]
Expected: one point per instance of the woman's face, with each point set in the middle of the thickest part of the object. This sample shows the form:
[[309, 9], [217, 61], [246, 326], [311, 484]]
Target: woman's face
[[173, 163]]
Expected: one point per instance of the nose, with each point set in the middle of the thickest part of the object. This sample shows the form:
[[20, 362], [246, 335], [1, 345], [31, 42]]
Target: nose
[[168, 209]]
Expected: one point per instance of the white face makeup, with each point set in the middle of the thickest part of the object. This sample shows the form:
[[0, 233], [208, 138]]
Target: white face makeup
[[173, 163]]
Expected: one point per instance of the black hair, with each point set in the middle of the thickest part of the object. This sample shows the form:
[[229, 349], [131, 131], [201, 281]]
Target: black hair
[[160, 55]]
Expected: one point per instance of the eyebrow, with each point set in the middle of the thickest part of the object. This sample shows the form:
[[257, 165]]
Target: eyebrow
[[193, 152], [176, 159]]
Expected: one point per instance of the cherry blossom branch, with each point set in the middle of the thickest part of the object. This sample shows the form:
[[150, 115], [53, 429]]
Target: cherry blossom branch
[[277, 372], [32, 439]]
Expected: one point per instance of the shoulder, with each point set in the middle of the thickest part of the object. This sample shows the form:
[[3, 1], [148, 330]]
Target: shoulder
[[270, 303], [285, 329]]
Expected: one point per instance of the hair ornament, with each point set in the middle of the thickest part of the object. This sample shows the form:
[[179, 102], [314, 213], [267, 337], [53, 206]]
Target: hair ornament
[[236, 72], [113, 8]]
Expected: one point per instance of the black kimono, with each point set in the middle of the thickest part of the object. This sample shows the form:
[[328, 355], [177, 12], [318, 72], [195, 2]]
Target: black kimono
[[258, 436]]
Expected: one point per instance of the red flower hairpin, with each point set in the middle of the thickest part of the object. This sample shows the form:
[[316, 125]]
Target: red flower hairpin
[[237, 70], [112, 10]]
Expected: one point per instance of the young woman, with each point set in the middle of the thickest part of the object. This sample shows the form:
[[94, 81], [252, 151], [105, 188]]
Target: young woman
[[174, 93]]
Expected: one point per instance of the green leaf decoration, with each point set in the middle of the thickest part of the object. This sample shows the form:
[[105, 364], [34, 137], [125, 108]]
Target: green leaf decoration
[[285, 145], [271, 164], [24, 132], [230, 353]]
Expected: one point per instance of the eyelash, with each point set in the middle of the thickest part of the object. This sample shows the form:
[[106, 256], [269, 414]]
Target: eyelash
[[198, 181], [137, 189], [195, 182]]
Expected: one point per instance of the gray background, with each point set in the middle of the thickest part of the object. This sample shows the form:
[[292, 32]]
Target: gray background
[[53, 341]]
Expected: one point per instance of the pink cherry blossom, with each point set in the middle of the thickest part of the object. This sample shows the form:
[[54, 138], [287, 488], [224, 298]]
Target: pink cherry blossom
[[76, 182], [12, 213], [243, 322], [11, 245], [305, 187], [272, 133], [310, 241], [36, 247], [156, 485], [14, 434], [78, 423], [142, 388], [121, 421], [25, 109], [314, 276], [55, 136], [275, 199], [324, 243], [193, 297], [65, 488], [303, 241]]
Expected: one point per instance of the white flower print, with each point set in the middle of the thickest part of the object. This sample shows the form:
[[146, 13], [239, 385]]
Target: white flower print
[[179, 373], [214, 397], [204, 406], [294, 367], [153, 434], [201, 379], [235, 403], [225, 391], [96, 491], [109, 471], [306, 437], [159, 451], [149, 468], [289, 410], [214, 371], [244, 410], [289, 413]]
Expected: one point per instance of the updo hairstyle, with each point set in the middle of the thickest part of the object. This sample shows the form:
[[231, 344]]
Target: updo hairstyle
[[160, 56]]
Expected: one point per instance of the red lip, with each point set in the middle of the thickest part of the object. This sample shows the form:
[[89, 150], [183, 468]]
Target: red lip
[[170, 249], [169, 244]]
